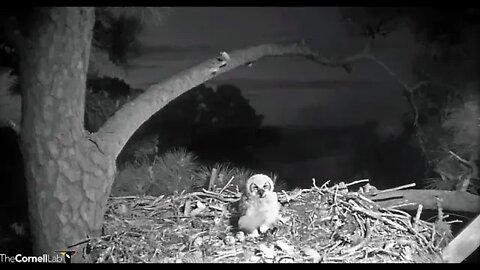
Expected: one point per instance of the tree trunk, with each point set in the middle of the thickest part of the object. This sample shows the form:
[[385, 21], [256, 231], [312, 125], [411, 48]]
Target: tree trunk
[[68, 178]]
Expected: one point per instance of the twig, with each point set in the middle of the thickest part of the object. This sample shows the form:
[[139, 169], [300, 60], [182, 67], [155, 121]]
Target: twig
[[462, 160], [463, 185], [114, 260], [441, 240], [399, 205], [213, 177], [400, 212], [285, 257], [394, 189], [360, 222], [325, 184], [216, 207], [213, 195], [233, 193], [188, 207], [335, 195], [364, 242], [154, 254], [358, 181], [419, 213], [158, 199], [432, 240], [289, 198], [440, 216], [454, 221], [79, 243], [228, 183], [314, 184], [387, 252], [401, 217], [229, 254], [378, 216], [311, 217], [124, 198], [366, 199]]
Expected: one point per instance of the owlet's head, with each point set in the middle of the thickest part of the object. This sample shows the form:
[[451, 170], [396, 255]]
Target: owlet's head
[[258, 185]]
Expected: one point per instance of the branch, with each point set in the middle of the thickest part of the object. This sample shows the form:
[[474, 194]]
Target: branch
[[464, 244], [366, 54], [114, 134], [409, 90], [470, 164], [395, 189], [462, 160], [451, 200]]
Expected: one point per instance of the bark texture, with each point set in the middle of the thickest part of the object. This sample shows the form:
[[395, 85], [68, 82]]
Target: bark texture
[[68, 178]]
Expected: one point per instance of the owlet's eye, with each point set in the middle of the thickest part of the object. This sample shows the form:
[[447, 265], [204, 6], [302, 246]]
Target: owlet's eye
[[267, 186]]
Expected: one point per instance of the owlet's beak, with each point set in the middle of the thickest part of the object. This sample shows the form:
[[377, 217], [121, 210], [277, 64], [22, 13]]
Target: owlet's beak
[[261, 193]]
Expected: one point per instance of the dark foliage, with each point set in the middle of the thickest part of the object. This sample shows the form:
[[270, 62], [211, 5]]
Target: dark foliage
[[116, 35], [445, 24], [207, 118], [115, 87]]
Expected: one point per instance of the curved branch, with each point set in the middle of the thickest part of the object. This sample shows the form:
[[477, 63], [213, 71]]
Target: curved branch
[[114, 134]]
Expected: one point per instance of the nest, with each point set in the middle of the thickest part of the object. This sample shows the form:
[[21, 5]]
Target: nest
[[320, 224]]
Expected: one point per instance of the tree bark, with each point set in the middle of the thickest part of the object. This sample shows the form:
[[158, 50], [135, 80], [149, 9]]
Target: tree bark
[[68, 178]]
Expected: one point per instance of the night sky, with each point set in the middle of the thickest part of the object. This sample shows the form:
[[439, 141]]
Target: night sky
[[286, 90]]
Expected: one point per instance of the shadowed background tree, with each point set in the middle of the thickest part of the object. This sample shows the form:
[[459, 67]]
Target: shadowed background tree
[[444, 117]]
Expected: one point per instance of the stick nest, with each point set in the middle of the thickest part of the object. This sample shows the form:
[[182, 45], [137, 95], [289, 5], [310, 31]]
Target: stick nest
[[320, 224]]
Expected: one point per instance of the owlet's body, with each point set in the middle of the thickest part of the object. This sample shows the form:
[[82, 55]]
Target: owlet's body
[[259, 205]]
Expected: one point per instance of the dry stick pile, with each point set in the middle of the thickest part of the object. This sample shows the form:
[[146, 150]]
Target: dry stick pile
[[320, 224]]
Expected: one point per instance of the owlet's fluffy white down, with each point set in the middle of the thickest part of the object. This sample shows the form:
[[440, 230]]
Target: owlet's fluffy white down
[[259, 206]]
